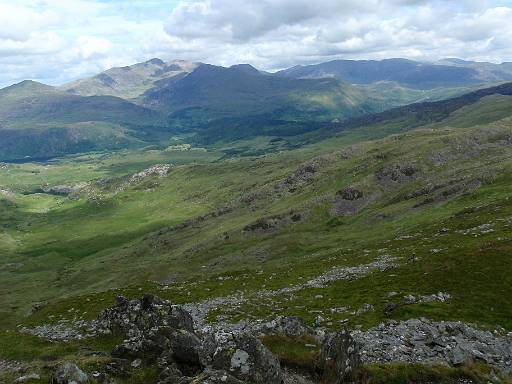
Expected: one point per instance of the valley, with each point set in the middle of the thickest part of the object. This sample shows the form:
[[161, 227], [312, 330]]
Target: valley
[[284, 197]]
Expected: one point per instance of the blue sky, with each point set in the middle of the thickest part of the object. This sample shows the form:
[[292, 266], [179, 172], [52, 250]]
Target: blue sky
[[55, 41]]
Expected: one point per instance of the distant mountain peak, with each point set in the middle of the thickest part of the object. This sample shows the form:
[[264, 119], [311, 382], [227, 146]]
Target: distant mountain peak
[[246, 68], [156, 61], [27, 86]]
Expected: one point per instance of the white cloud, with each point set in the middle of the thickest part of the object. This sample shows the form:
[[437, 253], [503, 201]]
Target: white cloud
[[279, 33], [59, 40]]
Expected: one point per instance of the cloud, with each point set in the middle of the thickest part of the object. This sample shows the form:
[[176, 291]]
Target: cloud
[[60, 40], [278, 33]]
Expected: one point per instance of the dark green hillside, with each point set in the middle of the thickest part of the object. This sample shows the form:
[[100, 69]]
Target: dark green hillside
[[22, 103], [380, 212], [211, 92], [39, 121], [490, 104]]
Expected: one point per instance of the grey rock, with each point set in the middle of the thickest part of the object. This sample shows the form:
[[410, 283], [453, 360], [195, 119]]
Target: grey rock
[[291, 326], [216, 377], [339, 357], [421, 340], [69, 373], [28, 378], [244, 356]]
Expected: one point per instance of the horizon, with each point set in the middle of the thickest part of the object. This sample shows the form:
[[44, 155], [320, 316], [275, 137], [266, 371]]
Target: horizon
[[228, 66], [56, 41]]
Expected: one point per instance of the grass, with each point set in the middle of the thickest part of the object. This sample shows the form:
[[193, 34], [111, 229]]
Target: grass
[[76, 255], [418, 373], [300, 353]]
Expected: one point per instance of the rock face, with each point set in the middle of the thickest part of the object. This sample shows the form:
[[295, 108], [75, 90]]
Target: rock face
[[349, 201], [157, 331], [243, 356], [339, 357], [69, 374], [421, 340]]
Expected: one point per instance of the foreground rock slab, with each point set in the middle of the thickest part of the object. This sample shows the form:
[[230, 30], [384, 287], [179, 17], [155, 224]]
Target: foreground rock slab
[[421, 340]]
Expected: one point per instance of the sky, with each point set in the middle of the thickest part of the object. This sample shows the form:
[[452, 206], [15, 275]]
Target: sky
[[56, 41]]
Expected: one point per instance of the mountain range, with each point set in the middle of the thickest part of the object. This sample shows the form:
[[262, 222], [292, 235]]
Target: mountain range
[[149, 103]]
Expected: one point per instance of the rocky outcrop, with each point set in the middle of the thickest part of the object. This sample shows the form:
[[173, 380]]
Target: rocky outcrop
[[69, 374], [350, 200], [63, 190], [339, 357], [397, 174], [272, 223], [157, 331], [243, 356], [350, 193], [159, 170], [421, 340], [28, 378]]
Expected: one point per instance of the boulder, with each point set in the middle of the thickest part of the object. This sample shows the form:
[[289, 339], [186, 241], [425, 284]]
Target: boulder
[[172, 375], [28, 378], [339, 357], [136, 317], [69, 373], [291, 326], [243, 356]]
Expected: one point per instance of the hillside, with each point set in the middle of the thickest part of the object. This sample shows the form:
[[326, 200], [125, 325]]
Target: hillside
[[40, 121], [402, 217], [129, 82], [212, 92], [486, 71], [404, 72], [478, 107]]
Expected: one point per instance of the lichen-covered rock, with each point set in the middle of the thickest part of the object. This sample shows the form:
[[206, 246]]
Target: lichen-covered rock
[[422, 340], [291, 326], [243, 356], [339, 357], [134, 317], [216, 377], [183, 345], [159, 170], [69, 373]]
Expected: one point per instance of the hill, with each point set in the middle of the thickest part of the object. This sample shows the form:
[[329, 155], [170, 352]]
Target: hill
[[407, 73], [347, 231], [40, 121], [129, 82], [486, 71], [243, 91], [478, 107]]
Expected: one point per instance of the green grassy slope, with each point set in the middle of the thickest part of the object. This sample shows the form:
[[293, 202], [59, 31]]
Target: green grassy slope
[[39, 121], [417, 184], [436, 198], [212, 92]]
